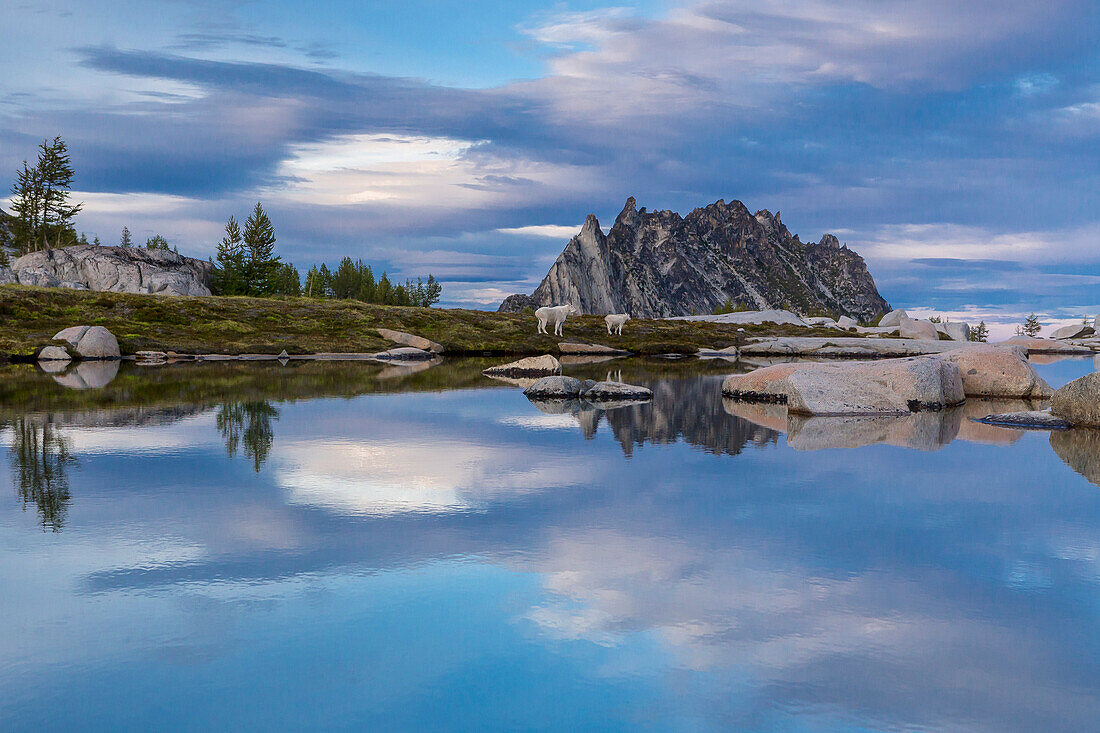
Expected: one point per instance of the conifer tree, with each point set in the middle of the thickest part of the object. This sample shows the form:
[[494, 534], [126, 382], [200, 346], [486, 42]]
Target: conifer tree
[[979, 332], [56, 173], [125, 240], [156, 242], [259, 243], [40, 200], [1030, 327], [230, 276]]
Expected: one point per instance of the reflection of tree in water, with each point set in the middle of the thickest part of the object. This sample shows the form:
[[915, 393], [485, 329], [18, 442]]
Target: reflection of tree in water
[[250, 424], [40, 460]]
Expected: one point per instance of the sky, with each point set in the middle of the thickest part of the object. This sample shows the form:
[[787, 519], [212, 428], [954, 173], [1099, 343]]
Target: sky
[[954, 145]]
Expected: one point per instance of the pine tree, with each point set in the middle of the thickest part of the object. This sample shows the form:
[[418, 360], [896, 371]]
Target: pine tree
[[287, 281], [95, 241], [56, 173], [26, 209], [156, 242], [323, 287], [126, 240], [229, 274], [433, 291], [980, 332], [259, 243], [1030, 327], [40, 200]]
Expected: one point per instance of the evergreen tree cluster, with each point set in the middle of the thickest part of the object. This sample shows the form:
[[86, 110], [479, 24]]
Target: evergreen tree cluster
[[1030, 327], [356, 280], [246, 263], [42, 216]]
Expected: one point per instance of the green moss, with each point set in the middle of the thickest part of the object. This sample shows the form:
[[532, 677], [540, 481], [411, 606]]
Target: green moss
[[235, 325]]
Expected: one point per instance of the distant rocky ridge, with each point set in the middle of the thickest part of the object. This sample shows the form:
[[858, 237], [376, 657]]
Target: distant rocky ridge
[[660, 264], [115, 269]]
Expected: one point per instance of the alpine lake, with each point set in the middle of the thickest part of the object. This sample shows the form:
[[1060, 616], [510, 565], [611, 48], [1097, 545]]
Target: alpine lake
[[359, 546]]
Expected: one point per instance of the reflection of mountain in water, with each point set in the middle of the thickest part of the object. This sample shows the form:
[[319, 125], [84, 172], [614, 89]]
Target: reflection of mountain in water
[[688, 410]]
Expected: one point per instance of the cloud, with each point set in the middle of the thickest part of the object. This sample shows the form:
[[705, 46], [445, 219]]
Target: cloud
[[551, 231], [932, 129]]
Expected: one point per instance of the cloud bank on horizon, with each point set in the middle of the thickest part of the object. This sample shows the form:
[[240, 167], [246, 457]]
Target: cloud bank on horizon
[[953, 144]]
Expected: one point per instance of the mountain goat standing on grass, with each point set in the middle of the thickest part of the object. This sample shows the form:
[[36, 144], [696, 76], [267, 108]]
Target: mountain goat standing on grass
[[615, 322], [553, 314]]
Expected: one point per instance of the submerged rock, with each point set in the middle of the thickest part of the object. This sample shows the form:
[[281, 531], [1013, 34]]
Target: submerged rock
[[1028, 419], [1079, 401], [531, 366]]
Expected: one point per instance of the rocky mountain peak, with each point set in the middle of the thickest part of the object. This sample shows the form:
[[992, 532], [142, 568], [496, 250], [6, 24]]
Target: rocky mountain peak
[[659, 264]]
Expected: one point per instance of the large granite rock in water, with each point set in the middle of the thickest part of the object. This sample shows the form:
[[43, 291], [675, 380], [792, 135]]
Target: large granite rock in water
[[660, 264], [998, 371], [891, 387], [1078, 402], [89, 342], [114, 269]]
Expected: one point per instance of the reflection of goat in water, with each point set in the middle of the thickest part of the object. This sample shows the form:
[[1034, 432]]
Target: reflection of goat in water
[[615, 322], [614, 376], [555, 315]]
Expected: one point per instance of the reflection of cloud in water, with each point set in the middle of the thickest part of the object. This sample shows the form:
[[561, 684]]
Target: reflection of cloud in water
[[430, 476], [562, 421], [880, 646]]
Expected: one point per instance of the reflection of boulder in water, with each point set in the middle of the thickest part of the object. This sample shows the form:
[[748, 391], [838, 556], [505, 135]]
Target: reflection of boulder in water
[[1079, 448], [398, 369], [924, 430], [588, 417], [688, 410], [89, 374], [521, 382], [920, 430]]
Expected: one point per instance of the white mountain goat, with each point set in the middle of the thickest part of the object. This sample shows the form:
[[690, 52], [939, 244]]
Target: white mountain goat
[[553, 314], [615, 322]]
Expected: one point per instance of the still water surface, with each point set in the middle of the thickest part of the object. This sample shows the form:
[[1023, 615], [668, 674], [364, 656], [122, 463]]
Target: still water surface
[[255, 547]]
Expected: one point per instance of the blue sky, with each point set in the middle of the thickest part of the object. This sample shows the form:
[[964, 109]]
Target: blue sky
[[953, 144]]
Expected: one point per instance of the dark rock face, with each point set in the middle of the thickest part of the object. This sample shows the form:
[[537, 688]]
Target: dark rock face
[[659, 264]]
